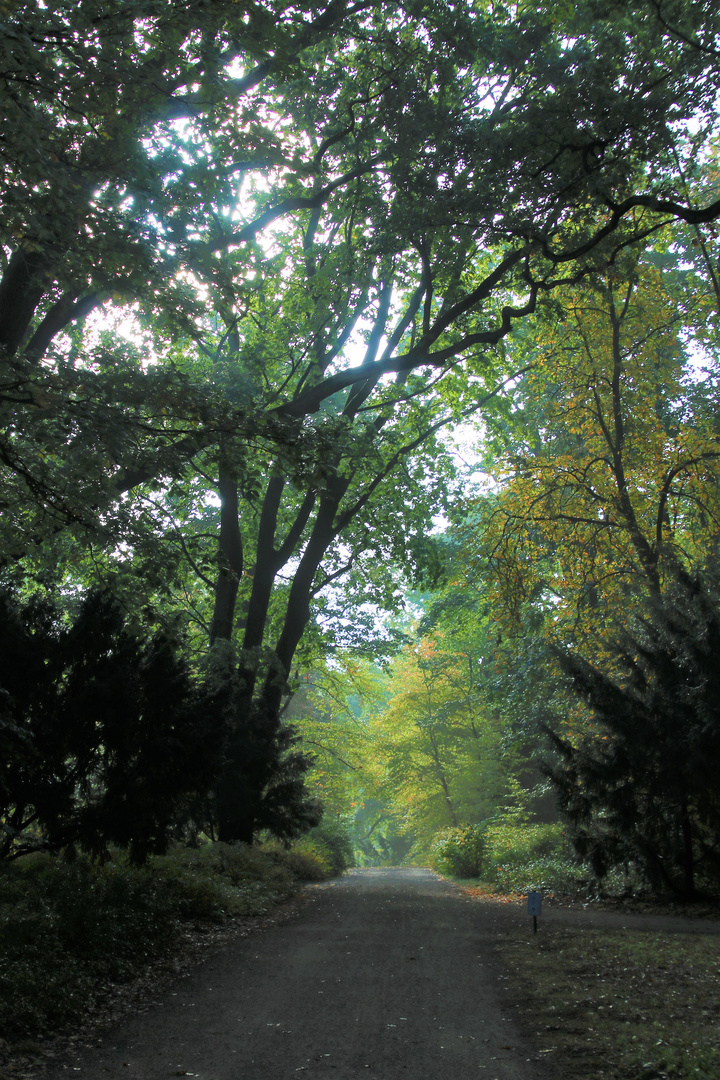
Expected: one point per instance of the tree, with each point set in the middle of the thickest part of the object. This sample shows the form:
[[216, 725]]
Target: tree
[[104, 739], [640, 786], [281, 193], [597, 543], [442, 751], [610, 476], [330, 711]]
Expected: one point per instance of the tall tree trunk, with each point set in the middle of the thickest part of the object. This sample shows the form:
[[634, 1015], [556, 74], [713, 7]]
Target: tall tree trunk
[[688, 856], [21, 289], [236, 803], [231, 556], [615, 438], [297, 612], [440, 773], [254, 745]]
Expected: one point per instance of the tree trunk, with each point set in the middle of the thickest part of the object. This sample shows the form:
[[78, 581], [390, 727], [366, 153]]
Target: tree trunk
[[688, 857], [254, 745], [440, 773], [231, 557], [21, 290]]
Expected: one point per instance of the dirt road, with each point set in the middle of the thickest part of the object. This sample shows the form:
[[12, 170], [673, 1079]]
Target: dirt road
[[381, 974]]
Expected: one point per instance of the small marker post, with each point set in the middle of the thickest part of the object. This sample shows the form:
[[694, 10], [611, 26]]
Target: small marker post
[[534, 907]]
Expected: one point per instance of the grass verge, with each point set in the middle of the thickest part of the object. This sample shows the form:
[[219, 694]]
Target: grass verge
[[620, 1004]]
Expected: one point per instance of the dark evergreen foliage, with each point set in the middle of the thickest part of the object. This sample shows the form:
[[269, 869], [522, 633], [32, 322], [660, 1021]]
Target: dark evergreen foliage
[[103, 737], [644, 788], [262, 782]]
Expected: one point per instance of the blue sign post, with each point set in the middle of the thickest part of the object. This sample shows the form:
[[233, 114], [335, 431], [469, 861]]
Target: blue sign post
[[534, 907]]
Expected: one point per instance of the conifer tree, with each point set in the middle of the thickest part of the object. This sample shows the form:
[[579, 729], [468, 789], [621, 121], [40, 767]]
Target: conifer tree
[[642, 784], [104, 738]]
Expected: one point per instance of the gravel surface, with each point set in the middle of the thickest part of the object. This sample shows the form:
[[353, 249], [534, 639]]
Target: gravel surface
[[381, 973]]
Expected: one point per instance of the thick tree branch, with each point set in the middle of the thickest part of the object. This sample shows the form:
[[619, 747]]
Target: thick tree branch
[[310, 401], [68, 309]]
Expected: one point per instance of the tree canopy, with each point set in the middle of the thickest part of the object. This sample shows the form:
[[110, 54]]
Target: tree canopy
[[609, 466], [257, 258]]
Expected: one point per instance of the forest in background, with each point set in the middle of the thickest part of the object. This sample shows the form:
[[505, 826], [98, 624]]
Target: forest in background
[[259, 263], [551, 714]]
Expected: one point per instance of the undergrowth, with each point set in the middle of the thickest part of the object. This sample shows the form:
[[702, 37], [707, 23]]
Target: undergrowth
[[68, 929], [509, 857], [521, 857]]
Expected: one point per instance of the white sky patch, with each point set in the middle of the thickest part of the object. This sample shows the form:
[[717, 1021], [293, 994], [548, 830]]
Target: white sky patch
[[124, 321]]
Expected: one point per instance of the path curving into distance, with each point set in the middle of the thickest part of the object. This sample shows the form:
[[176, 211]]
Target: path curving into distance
[[382, 974]]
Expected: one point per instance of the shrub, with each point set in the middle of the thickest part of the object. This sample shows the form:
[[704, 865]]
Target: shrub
[[459, 851], [67, 930], [548, 874], [323, 852], [640, 785], [103, 736], [222, 880], [308, 863], [520, 857], [510, 857], [333, 838]]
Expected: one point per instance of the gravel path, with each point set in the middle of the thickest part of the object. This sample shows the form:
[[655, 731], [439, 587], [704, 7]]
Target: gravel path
[[381, 973]]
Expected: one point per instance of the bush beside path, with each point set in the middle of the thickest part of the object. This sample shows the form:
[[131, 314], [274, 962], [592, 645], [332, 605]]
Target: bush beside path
[[81, 943]]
